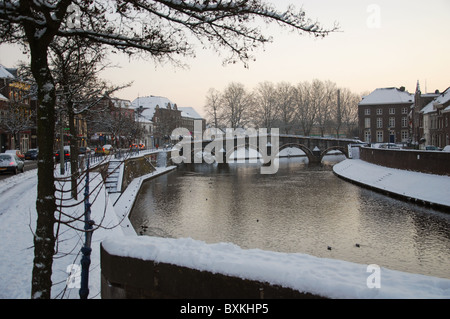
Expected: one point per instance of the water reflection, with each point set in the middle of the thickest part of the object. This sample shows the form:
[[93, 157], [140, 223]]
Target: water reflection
[[303, 208]]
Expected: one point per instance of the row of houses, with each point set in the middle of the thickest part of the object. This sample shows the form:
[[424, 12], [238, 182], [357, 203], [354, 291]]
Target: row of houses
[[146, 120], [393, 115], [17, 109]]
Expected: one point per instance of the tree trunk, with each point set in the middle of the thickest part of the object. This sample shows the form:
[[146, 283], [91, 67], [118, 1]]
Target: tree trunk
[[73, 151], [44, 238]]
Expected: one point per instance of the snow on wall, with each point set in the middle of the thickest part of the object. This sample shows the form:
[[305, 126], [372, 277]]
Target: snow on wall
[[321, 276]]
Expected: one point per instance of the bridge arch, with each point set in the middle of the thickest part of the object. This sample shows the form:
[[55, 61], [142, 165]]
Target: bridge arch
[[342, 149], [302, 147], [247, 145]]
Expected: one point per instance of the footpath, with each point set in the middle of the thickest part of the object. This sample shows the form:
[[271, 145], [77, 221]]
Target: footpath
[[428, 189]]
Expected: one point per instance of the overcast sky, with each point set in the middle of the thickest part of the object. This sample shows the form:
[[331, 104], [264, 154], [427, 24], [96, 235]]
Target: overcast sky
[[381, 44]]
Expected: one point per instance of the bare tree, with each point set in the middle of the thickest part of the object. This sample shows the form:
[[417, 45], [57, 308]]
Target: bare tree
[[75, 65], [266, 107], [349, 111], [321, 99], [286, 106], [235, 105], [160, 28], [212, 107], [306, 110]]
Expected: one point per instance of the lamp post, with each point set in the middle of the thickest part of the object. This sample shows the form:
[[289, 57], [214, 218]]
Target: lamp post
[[86, 250], [61, 144]]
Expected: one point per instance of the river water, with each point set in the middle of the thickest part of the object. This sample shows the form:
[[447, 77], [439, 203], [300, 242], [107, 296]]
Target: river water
[[301, 209]]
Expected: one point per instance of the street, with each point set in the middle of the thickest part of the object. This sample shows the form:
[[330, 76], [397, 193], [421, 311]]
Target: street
[[29, 165]]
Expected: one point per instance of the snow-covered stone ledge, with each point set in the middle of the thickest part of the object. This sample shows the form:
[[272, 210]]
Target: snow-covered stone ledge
[[187, 268], [429, 189]]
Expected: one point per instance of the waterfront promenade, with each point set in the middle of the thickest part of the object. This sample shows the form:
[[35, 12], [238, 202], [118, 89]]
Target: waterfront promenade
[[422, 188]]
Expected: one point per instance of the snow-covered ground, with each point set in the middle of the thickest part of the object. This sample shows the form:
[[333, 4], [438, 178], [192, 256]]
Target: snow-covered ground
[[17, 221], [434, 189], [326, 277]]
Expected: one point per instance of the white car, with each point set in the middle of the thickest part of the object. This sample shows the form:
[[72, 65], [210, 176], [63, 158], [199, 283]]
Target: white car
[[446, 149]]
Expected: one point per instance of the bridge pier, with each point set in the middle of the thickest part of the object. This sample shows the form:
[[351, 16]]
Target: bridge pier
[[316, 158]]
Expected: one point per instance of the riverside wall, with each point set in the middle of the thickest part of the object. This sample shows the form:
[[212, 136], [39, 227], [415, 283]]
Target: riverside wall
[[431, 162], [132, 278]]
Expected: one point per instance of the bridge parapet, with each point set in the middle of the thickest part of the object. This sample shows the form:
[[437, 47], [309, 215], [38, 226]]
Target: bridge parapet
[[314, 147]]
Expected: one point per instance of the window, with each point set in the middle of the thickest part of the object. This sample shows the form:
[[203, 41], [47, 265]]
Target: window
[[404, 121], [367, 112], [379, 136], [404, 110], [367, 136], [379, 122], [367, 122], [392, 122], [405, 135], [391, 110], [379, 111]]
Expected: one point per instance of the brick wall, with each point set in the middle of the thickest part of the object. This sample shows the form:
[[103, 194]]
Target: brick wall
[[430, 162]]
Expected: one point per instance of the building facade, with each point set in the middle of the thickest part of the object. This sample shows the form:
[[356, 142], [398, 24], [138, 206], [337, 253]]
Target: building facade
[[436, 118], [165, 116], [17, 112], [384, 116], [112, 121]]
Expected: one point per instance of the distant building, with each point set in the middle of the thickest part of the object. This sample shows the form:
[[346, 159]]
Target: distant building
[[17, 112], [416, 114], [188, 117], [383, 116], [112, 121], [436, 118], [165, 116]]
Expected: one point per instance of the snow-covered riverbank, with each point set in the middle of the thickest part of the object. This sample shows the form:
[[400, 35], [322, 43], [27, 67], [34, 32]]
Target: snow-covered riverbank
[[420, 187]]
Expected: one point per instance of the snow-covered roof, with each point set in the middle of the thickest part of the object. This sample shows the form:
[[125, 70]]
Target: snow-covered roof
[[3, 98], [190, 113], [441, 99], [4, 73], [388, 96], [121, 103], [149, 103]]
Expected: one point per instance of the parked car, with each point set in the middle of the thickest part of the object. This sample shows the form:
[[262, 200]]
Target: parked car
[[17, 152], [84, 150], [390, 146], [446, 149], [32, 154], [137, 147], [432, 148], [66, 154], [10, 162], [104, 150]]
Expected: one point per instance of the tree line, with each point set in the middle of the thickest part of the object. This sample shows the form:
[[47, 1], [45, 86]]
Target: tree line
[[316, 106]]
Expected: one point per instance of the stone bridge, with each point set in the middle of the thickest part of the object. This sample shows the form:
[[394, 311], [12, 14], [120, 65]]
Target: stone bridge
[[315, 148]]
